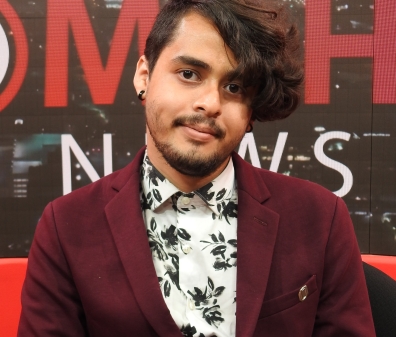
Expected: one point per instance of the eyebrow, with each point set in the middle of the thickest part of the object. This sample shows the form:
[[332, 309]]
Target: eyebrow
[[192, 61]]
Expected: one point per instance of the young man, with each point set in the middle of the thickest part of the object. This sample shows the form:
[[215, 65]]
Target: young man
[[152, 249]]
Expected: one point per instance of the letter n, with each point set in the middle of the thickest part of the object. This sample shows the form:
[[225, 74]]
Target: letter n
[[70, 144]]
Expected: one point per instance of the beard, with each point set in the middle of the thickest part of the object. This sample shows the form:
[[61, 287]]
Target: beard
[[191, 162]]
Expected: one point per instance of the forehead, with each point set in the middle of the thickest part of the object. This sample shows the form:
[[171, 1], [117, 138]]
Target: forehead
[[198, 37]]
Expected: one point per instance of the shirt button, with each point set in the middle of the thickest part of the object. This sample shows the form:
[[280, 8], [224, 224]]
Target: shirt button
[[185, 200], [191, 304]]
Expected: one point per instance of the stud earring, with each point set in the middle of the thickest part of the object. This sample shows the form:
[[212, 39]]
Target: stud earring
[[250, 128], [140, 95]]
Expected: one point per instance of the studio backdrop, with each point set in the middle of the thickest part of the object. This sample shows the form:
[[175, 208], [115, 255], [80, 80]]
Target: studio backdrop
[[69, 112]]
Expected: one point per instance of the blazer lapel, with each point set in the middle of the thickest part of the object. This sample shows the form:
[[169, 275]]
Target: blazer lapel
[[257, 231], [128, 229]]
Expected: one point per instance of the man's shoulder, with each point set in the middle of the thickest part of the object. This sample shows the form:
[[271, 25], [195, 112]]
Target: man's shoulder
[[277, 182], [279, 190], [294, 198], [102, 190]]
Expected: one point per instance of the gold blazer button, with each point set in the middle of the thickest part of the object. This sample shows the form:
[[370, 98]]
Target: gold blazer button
[[303, 293]]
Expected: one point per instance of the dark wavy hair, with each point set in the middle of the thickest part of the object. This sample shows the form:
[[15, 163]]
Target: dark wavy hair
[[263, 39]]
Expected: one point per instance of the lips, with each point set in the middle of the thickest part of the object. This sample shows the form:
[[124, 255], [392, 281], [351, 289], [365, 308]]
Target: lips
[[199, 124], [202, 129]]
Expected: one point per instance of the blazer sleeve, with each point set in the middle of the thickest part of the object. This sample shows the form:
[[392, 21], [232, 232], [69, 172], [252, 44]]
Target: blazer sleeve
[[50, 300], [344, 307]]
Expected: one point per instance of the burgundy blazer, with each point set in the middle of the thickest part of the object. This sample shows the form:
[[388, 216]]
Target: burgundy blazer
[[90, 269]]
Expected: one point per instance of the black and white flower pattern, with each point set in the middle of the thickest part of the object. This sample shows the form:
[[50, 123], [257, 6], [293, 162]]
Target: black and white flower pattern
[[192, 237], [203, 297], [224, 252]]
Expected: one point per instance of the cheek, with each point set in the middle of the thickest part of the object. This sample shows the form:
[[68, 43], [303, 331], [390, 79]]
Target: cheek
[[238, 123], [164, 106], [160, 116], [164, 90]]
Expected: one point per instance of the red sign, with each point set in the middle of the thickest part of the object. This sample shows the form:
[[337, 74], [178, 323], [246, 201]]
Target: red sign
[[21, 58], [321, 46]]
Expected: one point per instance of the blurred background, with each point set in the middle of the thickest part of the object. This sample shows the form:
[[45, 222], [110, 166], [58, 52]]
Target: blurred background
[[69, 113]]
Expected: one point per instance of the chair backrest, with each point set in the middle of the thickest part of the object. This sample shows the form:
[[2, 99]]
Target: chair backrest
[[386, 264], [12, 275], [381, 287], [382, 293]]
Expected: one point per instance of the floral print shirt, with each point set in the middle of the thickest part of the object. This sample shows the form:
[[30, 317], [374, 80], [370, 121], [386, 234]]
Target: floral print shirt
[[193, 240]]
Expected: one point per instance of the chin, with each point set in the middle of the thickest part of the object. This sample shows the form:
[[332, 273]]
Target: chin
[[192, 161]]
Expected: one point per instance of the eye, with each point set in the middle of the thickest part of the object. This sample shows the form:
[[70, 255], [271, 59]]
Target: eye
[[234, 88], [189, 75]]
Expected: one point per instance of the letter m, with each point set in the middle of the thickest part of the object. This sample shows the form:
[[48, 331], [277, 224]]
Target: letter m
[[102, 80]]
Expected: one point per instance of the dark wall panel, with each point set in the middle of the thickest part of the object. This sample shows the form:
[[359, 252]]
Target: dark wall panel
[[342, 135]]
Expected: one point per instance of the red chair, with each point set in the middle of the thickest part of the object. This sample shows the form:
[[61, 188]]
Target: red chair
[[13, 270], [382, 293], [387, 264], [12, 274]]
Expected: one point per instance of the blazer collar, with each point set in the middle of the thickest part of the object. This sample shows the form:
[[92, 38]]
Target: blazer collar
[[250, 180], [126, 222], [257, 230]]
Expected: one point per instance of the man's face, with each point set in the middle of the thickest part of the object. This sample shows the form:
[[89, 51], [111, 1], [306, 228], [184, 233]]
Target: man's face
[[195, 115]]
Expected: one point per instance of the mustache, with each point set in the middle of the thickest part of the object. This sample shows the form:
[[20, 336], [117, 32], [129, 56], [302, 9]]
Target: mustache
[[199, 119]]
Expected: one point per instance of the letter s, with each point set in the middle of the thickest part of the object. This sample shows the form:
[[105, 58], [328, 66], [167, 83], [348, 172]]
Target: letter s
[[335, 165]]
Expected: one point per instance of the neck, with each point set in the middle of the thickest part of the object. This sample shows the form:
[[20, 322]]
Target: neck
[[184, 183]]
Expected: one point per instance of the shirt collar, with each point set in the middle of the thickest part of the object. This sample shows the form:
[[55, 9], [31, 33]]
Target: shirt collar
[[158, 189]]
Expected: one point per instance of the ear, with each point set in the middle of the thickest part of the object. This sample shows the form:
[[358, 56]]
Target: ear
[[250, 125], [141, 79]]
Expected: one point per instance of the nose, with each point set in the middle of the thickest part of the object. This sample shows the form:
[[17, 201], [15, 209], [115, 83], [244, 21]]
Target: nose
[[208, 101]]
